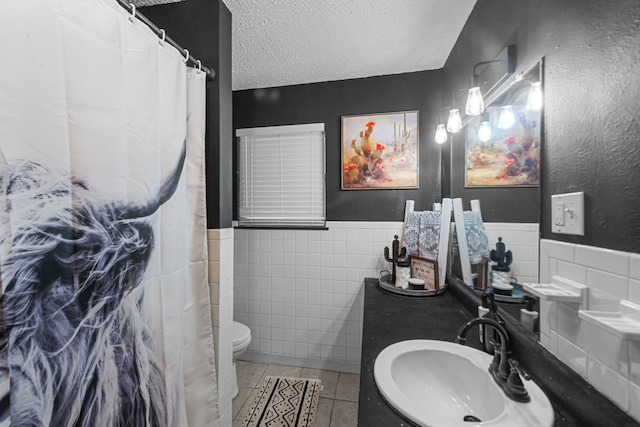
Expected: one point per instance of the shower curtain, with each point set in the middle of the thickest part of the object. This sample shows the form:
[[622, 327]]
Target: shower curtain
[[105, 312]]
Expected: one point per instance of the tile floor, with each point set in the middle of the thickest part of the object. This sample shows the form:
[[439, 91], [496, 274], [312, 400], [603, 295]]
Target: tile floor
[[338, 405]]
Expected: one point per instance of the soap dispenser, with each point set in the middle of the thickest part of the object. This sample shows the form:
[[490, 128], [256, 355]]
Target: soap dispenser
[[528, 316]]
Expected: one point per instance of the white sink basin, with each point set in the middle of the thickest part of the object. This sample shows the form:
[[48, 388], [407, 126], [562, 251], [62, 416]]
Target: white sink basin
[[439, 383]]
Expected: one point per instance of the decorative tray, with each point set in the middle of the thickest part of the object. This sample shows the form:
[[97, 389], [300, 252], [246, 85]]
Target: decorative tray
[[385, 283]]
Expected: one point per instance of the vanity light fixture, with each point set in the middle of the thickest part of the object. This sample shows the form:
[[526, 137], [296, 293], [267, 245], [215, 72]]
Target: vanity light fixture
[[454, 123], [484, 131], [507, 118], [534, 99], [441, 134]]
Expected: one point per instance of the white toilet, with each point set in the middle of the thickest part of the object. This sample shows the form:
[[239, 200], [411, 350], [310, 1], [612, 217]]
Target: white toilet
[[241, 340]]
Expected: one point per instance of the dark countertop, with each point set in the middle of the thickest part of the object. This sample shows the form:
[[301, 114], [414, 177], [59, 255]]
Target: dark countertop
[[390, 318]]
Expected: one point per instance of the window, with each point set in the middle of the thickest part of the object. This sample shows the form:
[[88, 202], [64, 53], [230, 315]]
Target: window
[[282, 176]]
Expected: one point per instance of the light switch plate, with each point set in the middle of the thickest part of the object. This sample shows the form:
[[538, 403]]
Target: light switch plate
[[567, 216]]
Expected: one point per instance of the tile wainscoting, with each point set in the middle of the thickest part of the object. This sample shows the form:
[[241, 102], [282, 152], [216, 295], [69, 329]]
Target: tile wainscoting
[[220, 245], [301, 291], [522, 240], [610, 364]]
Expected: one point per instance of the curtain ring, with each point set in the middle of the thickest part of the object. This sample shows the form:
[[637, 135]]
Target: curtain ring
[[163, 35], [199, 66], [186, 55], [133, 12]]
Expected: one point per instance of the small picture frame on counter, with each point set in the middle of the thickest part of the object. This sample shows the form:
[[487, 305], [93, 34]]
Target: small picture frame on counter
[[425, 269]]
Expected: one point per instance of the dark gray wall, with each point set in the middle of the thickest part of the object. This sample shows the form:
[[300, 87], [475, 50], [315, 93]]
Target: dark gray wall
[[591, 118], [591, 124], [204, 27], [326, 103]]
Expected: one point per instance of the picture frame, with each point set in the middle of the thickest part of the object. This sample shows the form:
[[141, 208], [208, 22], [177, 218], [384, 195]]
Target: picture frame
[[499, 157], [425, 269], [380, 151]]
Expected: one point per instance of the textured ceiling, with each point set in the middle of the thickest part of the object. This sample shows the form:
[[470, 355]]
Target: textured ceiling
[[285, 42]]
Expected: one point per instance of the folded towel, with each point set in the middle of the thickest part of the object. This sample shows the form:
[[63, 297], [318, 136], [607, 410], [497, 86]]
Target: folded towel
[[429, 238], [412, 232], [477, 239]]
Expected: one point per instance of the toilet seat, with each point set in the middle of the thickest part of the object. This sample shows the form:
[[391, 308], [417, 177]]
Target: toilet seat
[[241, 334]]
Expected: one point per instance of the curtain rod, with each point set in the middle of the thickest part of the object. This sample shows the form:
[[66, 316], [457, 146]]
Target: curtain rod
[[211, 74]]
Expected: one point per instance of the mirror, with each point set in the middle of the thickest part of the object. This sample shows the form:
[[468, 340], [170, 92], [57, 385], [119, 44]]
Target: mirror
[[499, 166]]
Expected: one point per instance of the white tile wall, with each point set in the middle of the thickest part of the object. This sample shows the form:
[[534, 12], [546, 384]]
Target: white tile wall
[[522, 240], [610, 364], [221, 261], [301, 291]]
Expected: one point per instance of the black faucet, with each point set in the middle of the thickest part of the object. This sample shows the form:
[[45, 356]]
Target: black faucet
[[488, 301], [505, 372]]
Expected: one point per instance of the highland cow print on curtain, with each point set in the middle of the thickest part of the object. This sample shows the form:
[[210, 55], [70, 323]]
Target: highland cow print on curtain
[[103, 261]]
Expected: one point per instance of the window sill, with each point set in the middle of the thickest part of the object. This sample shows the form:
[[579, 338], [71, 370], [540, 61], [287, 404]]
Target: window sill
[[280, 227]]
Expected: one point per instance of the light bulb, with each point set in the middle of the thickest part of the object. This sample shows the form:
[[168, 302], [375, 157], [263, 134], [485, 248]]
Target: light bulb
[[506, 118], [454, 124], [534, 99], [441, 134], [475, 103], [484, 131]]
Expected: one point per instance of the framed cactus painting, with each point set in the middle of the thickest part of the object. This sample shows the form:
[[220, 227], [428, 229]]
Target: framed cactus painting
[[380, 151], [503, 152]]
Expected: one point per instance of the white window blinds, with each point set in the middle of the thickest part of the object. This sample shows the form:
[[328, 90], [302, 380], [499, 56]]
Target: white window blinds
[[281, 176]]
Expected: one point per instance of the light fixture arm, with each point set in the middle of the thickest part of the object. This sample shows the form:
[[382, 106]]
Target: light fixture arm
[[475, 103], [474, 75]]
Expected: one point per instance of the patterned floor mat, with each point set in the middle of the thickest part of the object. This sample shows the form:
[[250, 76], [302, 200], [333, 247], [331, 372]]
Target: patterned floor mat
[[284, 402]]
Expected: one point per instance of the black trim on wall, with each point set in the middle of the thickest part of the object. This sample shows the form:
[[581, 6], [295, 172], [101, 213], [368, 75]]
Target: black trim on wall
[[326, 102]]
